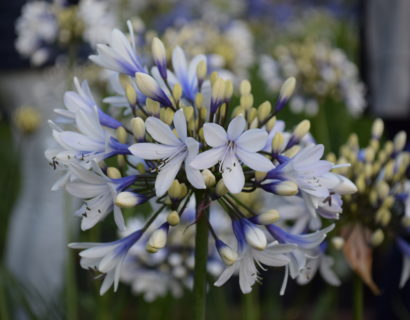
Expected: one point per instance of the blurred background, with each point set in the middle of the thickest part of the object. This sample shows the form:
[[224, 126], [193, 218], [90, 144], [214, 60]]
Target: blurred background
[[351, 59]]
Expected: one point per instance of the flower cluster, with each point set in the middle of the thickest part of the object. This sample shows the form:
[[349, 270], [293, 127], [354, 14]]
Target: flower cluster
[[323, 72], [182, 136], [378, 213], [45, 28]]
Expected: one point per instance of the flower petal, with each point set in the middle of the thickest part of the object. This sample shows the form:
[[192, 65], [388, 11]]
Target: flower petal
[[180, 124], [232, 173], [208, 158], [194, 175], [161, 132], [236, 127], [215, 135], [152, 151], [167, 174], [254, 160], [252, 140]]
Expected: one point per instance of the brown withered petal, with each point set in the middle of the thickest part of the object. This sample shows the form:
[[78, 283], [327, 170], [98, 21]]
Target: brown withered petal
[[359, 253]]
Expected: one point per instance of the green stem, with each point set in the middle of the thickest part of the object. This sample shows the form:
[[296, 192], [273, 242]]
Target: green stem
[[322, 128], [358, 298], [250, 305], [201, 256]]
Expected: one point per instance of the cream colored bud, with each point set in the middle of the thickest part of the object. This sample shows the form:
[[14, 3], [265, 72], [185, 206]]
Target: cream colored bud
[[158, 239], [377, 128], [406, 221], [260, 176], [228, 255], [369, 154], [147, 84], [158, 51], [218, 90], [166, 115], [331, 157], [131, 94], [238, 111], [151, 249], [201, 70], [126, 199], [183, 191], [213, 77], [277, 142], [113, 173], [287, 88], [302, 129], [174, 190], [221, 189], [199, 100], [388, 148], [268, 217], [177, 91], [153, 107], [338, 242], [383, 216], [400, 141], [245, 87], [173, 218], [264, 110], [251, 114], [388, 202], [138, 128], [228, 89], [121, 134], [203, 112], [377, 237], [256, 238], [290, 153], [209, 178], [188, 112], [271, 123], [383, 189], [286, 188], [121, 160], [246, 101]]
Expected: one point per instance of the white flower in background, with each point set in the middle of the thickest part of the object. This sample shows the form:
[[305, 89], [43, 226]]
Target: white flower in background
[[172, 150], [231, 146], [37, 30], [99, 19]]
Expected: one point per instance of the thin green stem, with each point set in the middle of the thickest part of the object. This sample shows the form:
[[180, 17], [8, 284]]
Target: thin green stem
[[357, 298], [251, 305], [201, 256]]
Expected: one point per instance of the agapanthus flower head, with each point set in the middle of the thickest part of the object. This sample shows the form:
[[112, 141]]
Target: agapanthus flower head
[[183, 139], [373, 217]]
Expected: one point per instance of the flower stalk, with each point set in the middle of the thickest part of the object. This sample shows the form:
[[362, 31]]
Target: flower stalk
[[201, 255], [357, 298]]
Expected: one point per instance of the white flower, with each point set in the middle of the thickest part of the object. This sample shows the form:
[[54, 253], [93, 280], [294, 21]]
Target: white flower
[[99, 193], [120, 55], [250, 258], [230, 147], [107, 258], [172, 150]]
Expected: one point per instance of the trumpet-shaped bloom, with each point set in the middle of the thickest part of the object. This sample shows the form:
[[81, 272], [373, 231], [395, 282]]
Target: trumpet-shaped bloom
[[93, 142], [84, 100], [107, 258], [120, 55], [231, 148], [99, 193], [172, 150]]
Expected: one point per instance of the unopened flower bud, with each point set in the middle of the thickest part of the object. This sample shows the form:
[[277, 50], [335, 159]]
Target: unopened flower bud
[[153, 107], [255, 237], [286, 188], [260, 176], [174, 190], [158, 238], [345, 186], [127, 199], [173, 218], [188, 112], [287, 88], [271, 123], [209, 178], [400, 141], [246, 101], [245, 87], [277, 143], [267, 217], [138, 128], [141, 168], [377, 238], [228, 90], [301, 129], [290, 153], [264, 110], [113, 173], [150, 88], [201, 70], [121, 134], [338, 242], [131, 94], [199, 100], [177, 91], [377, 128], [228, 255]]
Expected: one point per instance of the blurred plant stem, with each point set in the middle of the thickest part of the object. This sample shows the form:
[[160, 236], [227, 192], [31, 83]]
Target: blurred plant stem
[[357, 298], [201, 256], [70, 279], [250, 304], [321, 129]]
